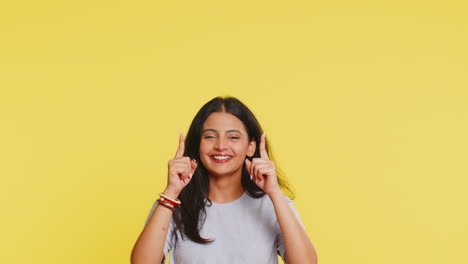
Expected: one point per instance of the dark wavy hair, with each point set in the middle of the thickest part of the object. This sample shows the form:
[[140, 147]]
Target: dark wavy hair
[[194, 196]]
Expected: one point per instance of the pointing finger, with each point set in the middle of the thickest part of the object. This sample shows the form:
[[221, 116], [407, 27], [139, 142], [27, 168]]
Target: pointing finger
[[181, 149], [263, 152]]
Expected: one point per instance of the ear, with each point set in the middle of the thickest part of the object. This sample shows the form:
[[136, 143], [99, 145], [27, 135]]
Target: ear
[[252, 147]]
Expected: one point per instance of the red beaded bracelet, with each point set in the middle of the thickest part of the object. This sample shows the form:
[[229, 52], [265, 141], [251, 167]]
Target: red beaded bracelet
[[172, 202], [165, 204]]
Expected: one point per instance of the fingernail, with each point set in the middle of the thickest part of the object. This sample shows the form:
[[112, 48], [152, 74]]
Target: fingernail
[[190, 175], [195, 160]]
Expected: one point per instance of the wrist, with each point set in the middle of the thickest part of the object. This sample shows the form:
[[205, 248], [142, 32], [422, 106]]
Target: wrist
[[171, 193], [275, 193]]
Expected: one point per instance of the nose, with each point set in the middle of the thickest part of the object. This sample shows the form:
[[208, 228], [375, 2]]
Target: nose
[[221, 144]]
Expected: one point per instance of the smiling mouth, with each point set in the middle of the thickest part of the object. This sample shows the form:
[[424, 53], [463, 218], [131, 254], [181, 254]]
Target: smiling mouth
[[221, 159]]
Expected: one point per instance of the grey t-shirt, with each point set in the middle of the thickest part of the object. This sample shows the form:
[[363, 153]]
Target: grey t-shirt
[[244, 231]]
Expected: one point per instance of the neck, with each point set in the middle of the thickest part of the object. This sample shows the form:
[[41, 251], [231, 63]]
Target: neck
[[226, 188]]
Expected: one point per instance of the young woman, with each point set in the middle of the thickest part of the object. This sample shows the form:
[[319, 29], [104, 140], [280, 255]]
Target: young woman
[[224, 201]]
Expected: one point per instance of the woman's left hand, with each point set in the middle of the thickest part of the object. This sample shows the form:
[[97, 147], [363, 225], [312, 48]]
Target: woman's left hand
[[262, 170]]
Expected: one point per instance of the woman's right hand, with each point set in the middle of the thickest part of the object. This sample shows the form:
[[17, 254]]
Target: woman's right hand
[[180, 171]]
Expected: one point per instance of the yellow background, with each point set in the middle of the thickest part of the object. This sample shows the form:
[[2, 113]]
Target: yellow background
[[365, 104]]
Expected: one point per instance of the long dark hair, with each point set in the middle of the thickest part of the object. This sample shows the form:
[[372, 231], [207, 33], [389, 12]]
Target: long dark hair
[[194, 197]]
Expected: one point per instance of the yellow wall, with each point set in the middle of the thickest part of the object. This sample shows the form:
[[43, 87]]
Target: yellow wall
[[365, 103]]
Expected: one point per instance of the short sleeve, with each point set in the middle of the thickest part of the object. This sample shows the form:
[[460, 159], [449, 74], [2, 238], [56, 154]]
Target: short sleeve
[[281, 250], [168, 244]]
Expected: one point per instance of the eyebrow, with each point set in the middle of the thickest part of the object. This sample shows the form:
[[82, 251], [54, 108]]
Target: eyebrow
[[214, 130]]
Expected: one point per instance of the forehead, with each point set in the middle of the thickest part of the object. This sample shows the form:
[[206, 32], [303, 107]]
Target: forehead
[[221, 121]]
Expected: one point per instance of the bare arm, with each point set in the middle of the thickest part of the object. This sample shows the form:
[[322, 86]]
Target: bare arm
[[299, 248], [148, 248]]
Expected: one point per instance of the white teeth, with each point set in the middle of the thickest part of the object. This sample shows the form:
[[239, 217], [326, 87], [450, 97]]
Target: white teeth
[[221, 157]]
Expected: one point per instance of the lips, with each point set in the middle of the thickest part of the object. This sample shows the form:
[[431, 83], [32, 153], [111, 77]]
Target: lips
[[221, 158]]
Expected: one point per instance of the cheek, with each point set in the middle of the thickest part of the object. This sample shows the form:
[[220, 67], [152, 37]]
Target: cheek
[[202, 152], [204, 147], [242, 150]]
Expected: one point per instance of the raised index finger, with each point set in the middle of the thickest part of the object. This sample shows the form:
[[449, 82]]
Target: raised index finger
[[181, 149], [263, 152]]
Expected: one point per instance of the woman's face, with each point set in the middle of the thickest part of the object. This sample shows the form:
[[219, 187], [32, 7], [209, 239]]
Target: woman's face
[[224, 144]]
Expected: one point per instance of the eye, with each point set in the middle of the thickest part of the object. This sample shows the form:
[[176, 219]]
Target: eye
[[234, 137], [208, 137]]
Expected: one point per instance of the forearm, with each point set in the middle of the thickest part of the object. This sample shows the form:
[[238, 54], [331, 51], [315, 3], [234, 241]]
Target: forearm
[[299, 248], [148, 248]]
